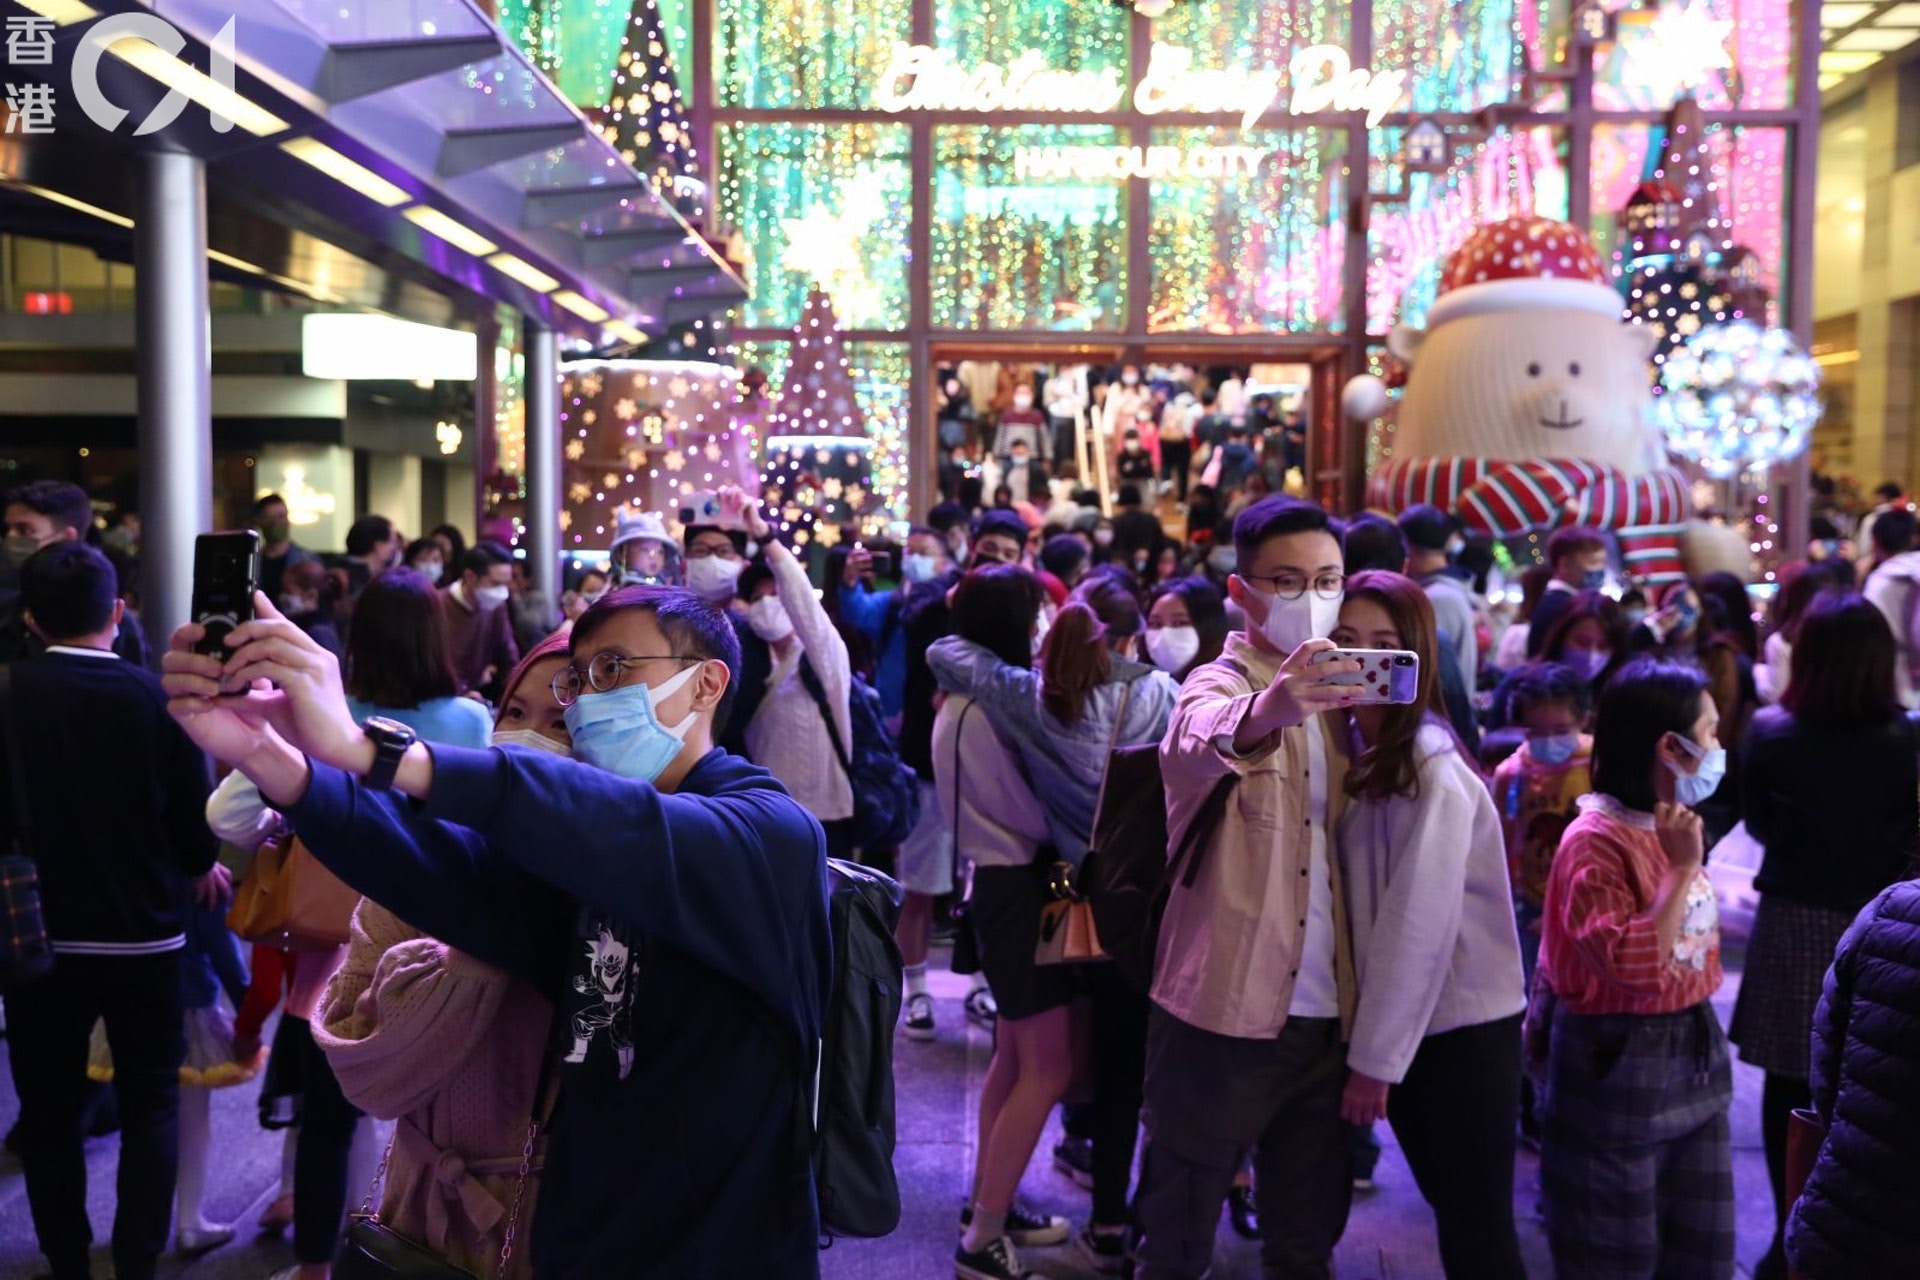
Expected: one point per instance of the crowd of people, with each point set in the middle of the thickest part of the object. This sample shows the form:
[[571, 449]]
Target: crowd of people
[[592, 969]]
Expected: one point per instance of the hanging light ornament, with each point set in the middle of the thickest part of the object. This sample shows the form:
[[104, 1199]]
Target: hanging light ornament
[[1737, 396]]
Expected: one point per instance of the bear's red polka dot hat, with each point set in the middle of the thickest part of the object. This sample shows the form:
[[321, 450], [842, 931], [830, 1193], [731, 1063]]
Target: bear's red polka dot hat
[[1523, 264]]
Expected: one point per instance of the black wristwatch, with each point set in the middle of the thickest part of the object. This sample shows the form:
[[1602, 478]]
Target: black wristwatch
[[390, 741]]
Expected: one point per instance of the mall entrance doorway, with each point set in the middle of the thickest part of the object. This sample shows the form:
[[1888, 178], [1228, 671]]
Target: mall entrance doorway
[[1046, 421]]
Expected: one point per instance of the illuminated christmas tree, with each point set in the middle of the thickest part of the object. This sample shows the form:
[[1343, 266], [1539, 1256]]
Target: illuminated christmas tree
[[646, 117], [818, 464], [1674, 238]]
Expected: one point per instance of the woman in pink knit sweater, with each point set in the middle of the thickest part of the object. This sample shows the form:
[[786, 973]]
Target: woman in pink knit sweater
[[449, 1047]]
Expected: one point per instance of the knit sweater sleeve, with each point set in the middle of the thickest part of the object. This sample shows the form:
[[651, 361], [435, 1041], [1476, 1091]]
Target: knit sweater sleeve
[[403, 1014], [1614, 937]]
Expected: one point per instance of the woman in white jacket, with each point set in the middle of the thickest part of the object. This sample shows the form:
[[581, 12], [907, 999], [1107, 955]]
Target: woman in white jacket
[[1435, 1046]]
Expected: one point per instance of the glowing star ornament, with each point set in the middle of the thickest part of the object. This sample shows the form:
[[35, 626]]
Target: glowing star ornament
[[1737, 396], [1679, 50]]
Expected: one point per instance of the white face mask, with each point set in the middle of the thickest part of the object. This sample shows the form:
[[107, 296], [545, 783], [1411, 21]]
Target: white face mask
[[490, 597], [530, 739], [1022, 401], [1172, 648], [769, 620], [1103, 537], [1291, 623], [430, 570], [712, 578]]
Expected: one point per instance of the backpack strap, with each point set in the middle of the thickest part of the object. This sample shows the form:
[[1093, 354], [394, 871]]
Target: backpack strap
[[818, 692], [1213, 810]]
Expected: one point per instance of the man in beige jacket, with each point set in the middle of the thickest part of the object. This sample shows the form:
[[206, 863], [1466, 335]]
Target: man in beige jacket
[[1253, 982]]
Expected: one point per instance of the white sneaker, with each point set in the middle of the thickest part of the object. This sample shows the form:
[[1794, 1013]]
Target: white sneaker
[[919, 1016]]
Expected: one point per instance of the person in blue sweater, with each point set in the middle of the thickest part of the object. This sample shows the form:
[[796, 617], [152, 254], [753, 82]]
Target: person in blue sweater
[[672, 900]]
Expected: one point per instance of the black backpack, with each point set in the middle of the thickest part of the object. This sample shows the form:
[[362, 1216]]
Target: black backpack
[[847, 1130], [1129, 872], [886, 794]]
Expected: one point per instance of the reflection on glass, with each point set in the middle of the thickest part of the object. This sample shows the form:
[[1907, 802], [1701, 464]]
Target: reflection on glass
[[804, 53], [1513, 172], [1259, 33], [1240, 252], [1020, 240], [820, 202], [1070, 35], [1460, 54]]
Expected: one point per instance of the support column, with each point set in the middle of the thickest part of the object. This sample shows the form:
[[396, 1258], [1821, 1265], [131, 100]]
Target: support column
[[173, 354], [543, 458]]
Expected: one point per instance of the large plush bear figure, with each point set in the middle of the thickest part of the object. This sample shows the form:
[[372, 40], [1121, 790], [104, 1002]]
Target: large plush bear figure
[[1527, 404]]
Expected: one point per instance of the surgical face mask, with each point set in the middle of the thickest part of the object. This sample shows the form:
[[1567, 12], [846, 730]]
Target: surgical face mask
[[1634, 617], [430, 570], [1129, 378], [490, 597], [1552, 749], [713, 578], [769, 620], [275, 530], [1291, 623], [917, 569], [531, 740], [297, 606], [1021, 459], [620, 731], [1587, 663], [1222, 560], [1103, 537], [20, 548], [1022, 400], [592, 597], [1173, 648], [1454, 547], [1593, 580], [1709, 769]]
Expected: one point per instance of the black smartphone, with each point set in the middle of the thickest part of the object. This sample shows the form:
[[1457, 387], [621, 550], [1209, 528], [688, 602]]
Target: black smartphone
[[882, 564], [226, 573]]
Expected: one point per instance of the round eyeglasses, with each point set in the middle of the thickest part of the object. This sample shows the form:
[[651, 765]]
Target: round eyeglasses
[[603, 674], [1291, 586]]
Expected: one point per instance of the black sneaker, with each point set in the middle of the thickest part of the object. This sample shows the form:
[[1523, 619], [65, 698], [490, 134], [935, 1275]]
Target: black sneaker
[[1074, 1157], [1027, 1229], [1241, 1213], [1102, 1251], [919, 1017], [998, 1261]]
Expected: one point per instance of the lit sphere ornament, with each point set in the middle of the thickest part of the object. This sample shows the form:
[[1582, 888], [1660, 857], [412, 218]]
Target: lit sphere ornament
[[1364, 398], [1737, 396]]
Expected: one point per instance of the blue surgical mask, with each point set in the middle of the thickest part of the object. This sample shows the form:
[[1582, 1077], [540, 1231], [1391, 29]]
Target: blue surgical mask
[[918, 569], [620, 731], [1594, 580], [1587, 663], [1553, 749], [1711, 767]]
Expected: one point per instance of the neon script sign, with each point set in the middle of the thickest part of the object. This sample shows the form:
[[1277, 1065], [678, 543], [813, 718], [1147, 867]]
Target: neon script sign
[[1322, 78]]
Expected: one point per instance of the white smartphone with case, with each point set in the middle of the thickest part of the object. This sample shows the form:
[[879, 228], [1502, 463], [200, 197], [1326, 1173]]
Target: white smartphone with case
[[1386, 676]]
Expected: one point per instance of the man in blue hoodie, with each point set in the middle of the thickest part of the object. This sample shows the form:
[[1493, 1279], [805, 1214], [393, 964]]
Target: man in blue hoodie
[[671, 899]]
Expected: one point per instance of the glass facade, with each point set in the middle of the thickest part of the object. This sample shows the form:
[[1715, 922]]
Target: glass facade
[[1081, 170]]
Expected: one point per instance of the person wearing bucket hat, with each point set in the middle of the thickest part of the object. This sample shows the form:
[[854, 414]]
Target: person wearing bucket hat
[[644, 552]]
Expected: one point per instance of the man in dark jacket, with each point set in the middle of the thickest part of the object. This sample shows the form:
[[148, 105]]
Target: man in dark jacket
[[39, 515], [116, 884], [669, 897], [1856, 1218]]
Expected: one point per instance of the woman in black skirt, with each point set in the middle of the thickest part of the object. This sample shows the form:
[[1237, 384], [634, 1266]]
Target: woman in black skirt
[[999, 830], [1828, 780]]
